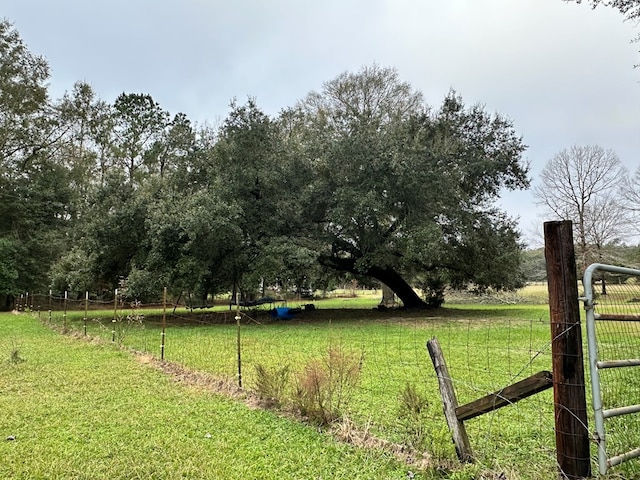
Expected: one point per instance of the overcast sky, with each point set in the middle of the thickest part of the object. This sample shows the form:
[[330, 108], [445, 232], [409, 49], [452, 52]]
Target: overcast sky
[[561, 71]]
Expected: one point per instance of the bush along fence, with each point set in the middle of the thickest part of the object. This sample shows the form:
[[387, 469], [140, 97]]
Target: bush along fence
[[369, 376]]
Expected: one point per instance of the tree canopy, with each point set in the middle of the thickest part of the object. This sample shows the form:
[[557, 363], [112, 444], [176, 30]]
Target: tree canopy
[[629, 8], [403, 193], [360, 179]]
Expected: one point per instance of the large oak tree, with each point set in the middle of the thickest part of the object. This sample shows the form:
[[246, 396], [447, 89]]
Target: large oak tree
[[405, 194]]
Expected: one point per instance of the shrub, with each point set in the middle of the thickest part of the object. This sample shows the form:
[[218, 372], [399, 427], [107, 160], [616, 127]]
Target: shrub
[[122, 324], [326, 385]]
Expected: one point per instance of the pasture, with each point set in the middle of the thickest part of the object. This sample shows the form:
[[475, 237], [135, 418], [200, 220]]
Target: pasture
[[391, 400], [85, 410]]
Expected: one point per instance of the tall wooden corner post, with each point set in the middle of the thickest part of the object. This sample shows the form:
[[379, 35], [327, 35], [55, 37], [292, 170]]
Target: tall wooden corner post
[[572, 432]]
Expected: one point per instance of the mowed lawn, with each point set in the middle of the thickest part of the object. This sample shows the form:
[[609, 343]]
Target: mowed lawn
[[72, 409]]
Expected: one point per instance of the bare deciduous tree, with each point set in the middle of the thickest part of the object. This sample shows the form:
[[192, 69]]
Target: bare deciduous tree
[[582, 184], [631, 199]]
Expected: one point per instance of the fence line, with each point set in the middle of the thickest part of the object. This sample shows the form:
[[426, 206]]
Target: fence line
[[396, 395]]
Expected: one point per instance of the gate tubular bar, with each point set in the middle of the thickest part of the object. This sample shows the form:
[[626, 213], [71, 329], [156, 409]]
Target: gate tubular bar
[[618, 459], [616, 412], [632, 362], [599, 413]]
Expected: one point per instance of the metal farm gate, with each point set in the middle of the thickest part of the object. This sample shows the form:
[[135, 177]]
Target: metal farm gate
[[613, 335]]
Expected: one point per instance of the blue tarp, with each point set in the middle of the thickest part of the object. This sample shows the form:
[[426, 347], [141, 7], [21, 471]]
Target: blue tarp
[[284, 313]]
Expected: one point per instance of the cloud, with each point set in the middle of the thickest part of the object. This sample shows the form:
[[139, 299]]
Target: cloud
[[561, 71]]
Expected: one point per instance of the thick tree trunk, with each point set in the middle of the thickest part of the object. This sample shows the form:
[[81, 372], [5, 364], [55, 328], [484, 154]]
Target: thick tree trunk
[[404, 291], [7, 302], [388, 276], [388, 297]]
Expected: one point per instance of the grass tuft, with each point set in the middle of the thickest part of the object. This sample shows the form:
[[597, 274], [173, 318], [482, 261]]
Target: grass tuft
[[14, 357], [271, 384], [411, 416]]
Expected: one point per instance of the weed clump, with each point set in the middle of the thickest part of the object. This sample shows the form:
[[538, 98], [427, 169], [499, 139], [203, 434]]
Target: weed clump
[[271, 384], [15, 357], [411, 415], [420, 431], [325, 386]]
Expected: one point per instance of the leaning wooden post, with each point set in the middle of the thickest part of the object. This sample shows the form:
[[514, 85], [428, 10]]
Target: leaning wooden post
[[450, 403], [572, 432]]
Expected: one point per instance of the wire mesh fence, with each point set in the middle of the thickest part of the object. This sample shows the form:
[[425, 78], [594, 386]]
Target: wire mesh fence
[[368, 366]]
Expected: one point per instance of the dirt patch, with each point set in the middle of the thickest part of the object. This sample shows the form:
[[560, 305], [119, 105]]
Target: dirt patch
[[263, 316], [190, 378]]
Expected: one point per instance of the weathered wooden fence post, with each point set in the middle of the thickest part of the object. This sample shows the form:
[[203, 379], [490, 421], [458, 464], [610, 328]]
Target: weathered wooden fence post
[[450, 403], [572, 432], [86, 311], [239, 346]]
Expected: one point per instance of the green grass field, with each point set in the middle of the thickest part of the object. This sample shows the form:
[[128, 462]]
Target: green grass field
[[486, 346], [84, 410]]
